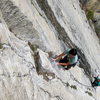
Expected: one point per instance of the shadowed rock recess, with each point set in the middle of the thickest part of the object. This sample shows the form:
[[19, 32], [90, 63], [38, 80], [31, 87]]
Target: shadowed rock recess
[[31, 33]]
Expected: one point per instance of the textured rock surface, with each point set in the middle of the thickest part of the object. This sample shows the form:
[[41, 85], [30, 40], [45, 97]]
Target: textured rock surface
[[32, 32], [94, 6]]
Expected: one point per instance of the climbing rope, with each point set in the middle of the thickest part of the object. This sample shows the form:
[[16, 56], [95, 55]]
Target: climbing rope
[[78, 81]]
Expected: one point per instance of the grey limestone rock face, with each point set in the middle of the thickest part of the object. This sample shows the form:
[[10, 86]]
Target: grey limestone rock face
[[32, 32]]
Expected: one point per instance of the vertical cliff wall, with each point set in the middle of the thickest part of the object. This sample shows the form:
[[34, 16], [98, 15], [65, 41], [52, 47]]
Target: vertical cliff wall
[[32, 32]]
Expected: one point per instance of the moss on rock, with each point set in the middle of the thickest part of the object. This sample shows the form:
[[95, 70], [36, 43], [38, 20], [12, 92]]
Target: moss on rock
[[90, 15]]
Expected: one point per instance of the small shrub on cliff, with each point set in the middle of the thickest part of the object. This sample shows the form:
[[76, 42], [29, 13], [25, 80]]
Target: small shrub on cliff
[[89, 93], [90, 14], [74, 87], [1, 46], [67, 84]]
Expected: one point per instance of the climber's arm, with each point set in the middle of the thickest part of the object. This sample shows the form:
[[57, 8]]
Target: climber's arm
[[64, 64], [58, 57]]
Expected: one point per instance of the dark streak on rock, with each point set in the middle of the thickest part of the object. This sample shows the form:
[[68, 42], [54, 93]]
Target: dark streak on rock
[[40, 70], [16, 21], [63, 35]]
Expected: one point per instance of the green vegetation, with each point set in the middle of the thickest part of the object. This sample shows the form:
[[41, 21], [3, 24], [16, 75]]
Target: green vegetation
[[74, 87], [67, 84], [92, 8], [1, 46], [90, 14], [89, 93], [97, 29]]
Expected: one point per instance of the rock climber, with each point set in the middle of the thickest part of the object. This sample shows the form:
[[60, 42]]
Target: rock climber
[[68, 58], [96, 82]]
